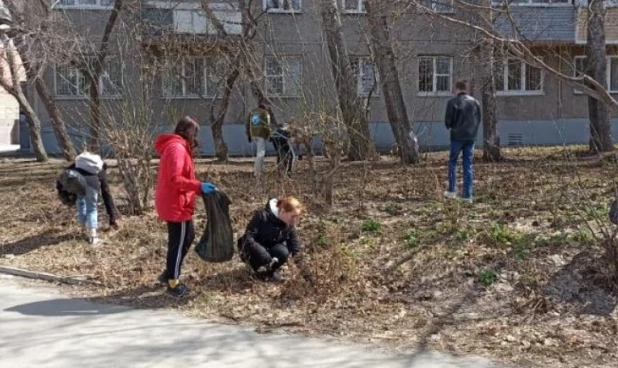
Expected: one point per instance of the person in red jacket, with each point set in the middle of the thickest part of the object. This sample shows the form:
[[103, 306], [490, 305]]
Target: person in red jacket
[[177, 188]]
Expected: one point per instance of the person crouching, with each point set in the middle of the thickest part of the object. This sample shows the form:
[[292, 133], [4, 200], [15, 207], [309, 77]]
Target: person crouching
[[271, 238]]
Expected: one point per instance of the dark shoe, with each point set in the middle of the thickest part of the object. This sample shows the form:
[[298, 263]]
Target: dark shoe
[[179, 291]]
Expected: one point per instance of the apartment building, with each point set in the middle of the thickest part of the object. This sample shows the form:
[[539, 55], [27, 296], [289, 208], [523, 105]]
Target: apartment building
[[294, 69]]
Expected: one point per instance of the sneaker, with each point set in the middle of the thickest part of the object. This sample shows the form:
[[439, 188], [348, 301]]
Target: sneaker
[[179, 291], [467, 200], [94, 241], [450, 195]]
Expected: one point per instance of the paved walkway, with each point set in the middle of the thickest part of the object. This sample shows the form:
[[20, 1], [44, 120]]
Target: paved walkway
[[41, 328]]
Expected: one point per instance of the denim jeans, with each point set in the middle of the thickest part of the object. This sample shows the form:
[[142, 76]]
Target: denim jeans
[[468, 153], [87, 208]]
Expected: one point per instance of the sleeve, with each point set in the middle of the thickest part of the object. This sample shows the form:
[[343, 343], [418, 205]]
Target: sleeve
[[448, 118], [176, 157], [250, 242], [108, 200], [293, 243]]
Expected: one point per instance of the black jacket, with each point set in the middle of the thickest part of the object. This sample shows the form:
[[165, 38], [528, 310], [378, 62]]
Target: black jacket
[[463, 117], [267, 230], [99, 182]]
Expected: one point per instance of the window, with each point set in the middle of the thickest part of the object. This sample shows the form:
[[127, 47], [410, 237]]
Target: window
[[353, 6], [191, 78], [520, 78], [71, 82], [366, 77], [532, 2], [439, 6], [282, 6], [283, 76], [612, 71], [85, 3], [435, 74]]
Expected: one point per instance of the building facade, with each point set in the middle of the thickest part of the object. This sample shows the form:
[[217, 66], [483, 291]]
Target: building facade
[[291, 59]]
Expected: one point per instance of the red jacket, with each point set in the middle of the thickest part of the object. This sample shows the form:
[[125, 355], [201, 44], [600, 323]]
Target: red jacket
[[177, 185]]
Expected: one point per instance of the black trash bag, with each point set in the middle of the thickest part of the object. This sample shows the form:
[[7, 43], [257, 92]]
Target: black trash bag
[[217, 242]]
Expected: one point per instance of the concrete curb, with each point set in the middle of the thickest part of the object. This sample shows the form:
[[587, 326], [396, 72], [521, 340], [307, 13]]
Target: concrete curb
[[44, 276]]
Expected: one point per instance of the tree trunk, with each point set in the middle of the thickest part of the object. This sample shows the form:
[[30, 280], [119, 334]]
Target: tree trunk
[[60, 130], [395, 105], [598, 111], [221, 149], [361, 146], [491, 140], [34, 128]]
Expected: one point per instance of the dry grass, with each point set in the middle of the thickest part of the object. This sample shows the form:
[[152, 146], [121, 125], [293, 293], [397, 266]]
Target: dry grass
[[516, 276]]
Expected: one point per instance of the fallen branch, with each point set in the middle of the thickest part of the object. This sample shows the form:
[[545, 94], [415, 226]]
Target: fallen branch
[[44, 276]]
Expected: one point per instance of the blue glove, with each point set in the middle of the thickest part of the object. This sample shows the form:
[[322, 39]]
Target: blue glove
[[208, 188]]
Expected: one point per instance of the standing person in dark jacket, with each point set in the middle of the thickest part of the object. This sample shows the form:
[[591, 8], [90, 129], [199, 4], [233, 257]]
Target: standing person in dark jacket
[[271, 238], [87, 213], [463, 117], [177, 188]]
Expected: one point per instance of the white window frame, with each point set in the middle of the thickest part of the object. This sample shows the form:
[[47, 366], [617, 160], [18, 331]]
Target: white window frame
[[360, 9], [282, 11], [203, 82], [85, 94], [529, 3], [284, 59], [433, 5], [608, 78], [96, 6], [523, 74], [435, 91], [359, 76]]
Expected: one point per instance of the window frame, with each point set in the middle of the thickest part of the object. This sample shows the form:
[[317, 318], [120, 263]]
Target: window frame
[[363, 60], [523, 75], [203, 79], [529, 3], [85, 94], [96, 6], [282, 11], [608, 79], [285, 60], [359, 7], [432, 6], [435, 76]]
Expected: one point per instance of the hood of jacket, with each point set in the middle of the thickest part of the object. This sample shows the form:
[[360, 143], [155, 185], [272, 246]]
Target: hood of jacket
[[272, 212], [165, 140]]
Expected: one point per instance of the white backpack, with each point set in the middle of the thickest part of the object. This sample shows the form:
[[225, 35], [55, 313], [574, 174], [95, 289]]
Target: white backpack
[[89, 162]]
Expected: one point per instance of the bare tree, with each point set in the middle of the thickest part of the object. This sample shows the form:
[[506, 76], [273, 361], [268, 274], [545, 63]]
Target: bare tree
[[10, 67], [238, 51], [353, 114], [29, 35], [92, 68], [596, 60], [393, 96]]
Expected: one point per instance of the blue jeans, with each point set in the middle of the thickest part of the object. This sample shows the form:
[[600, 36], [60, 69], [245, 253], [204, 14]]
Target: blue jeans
[[468, 153], [87, 208]]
